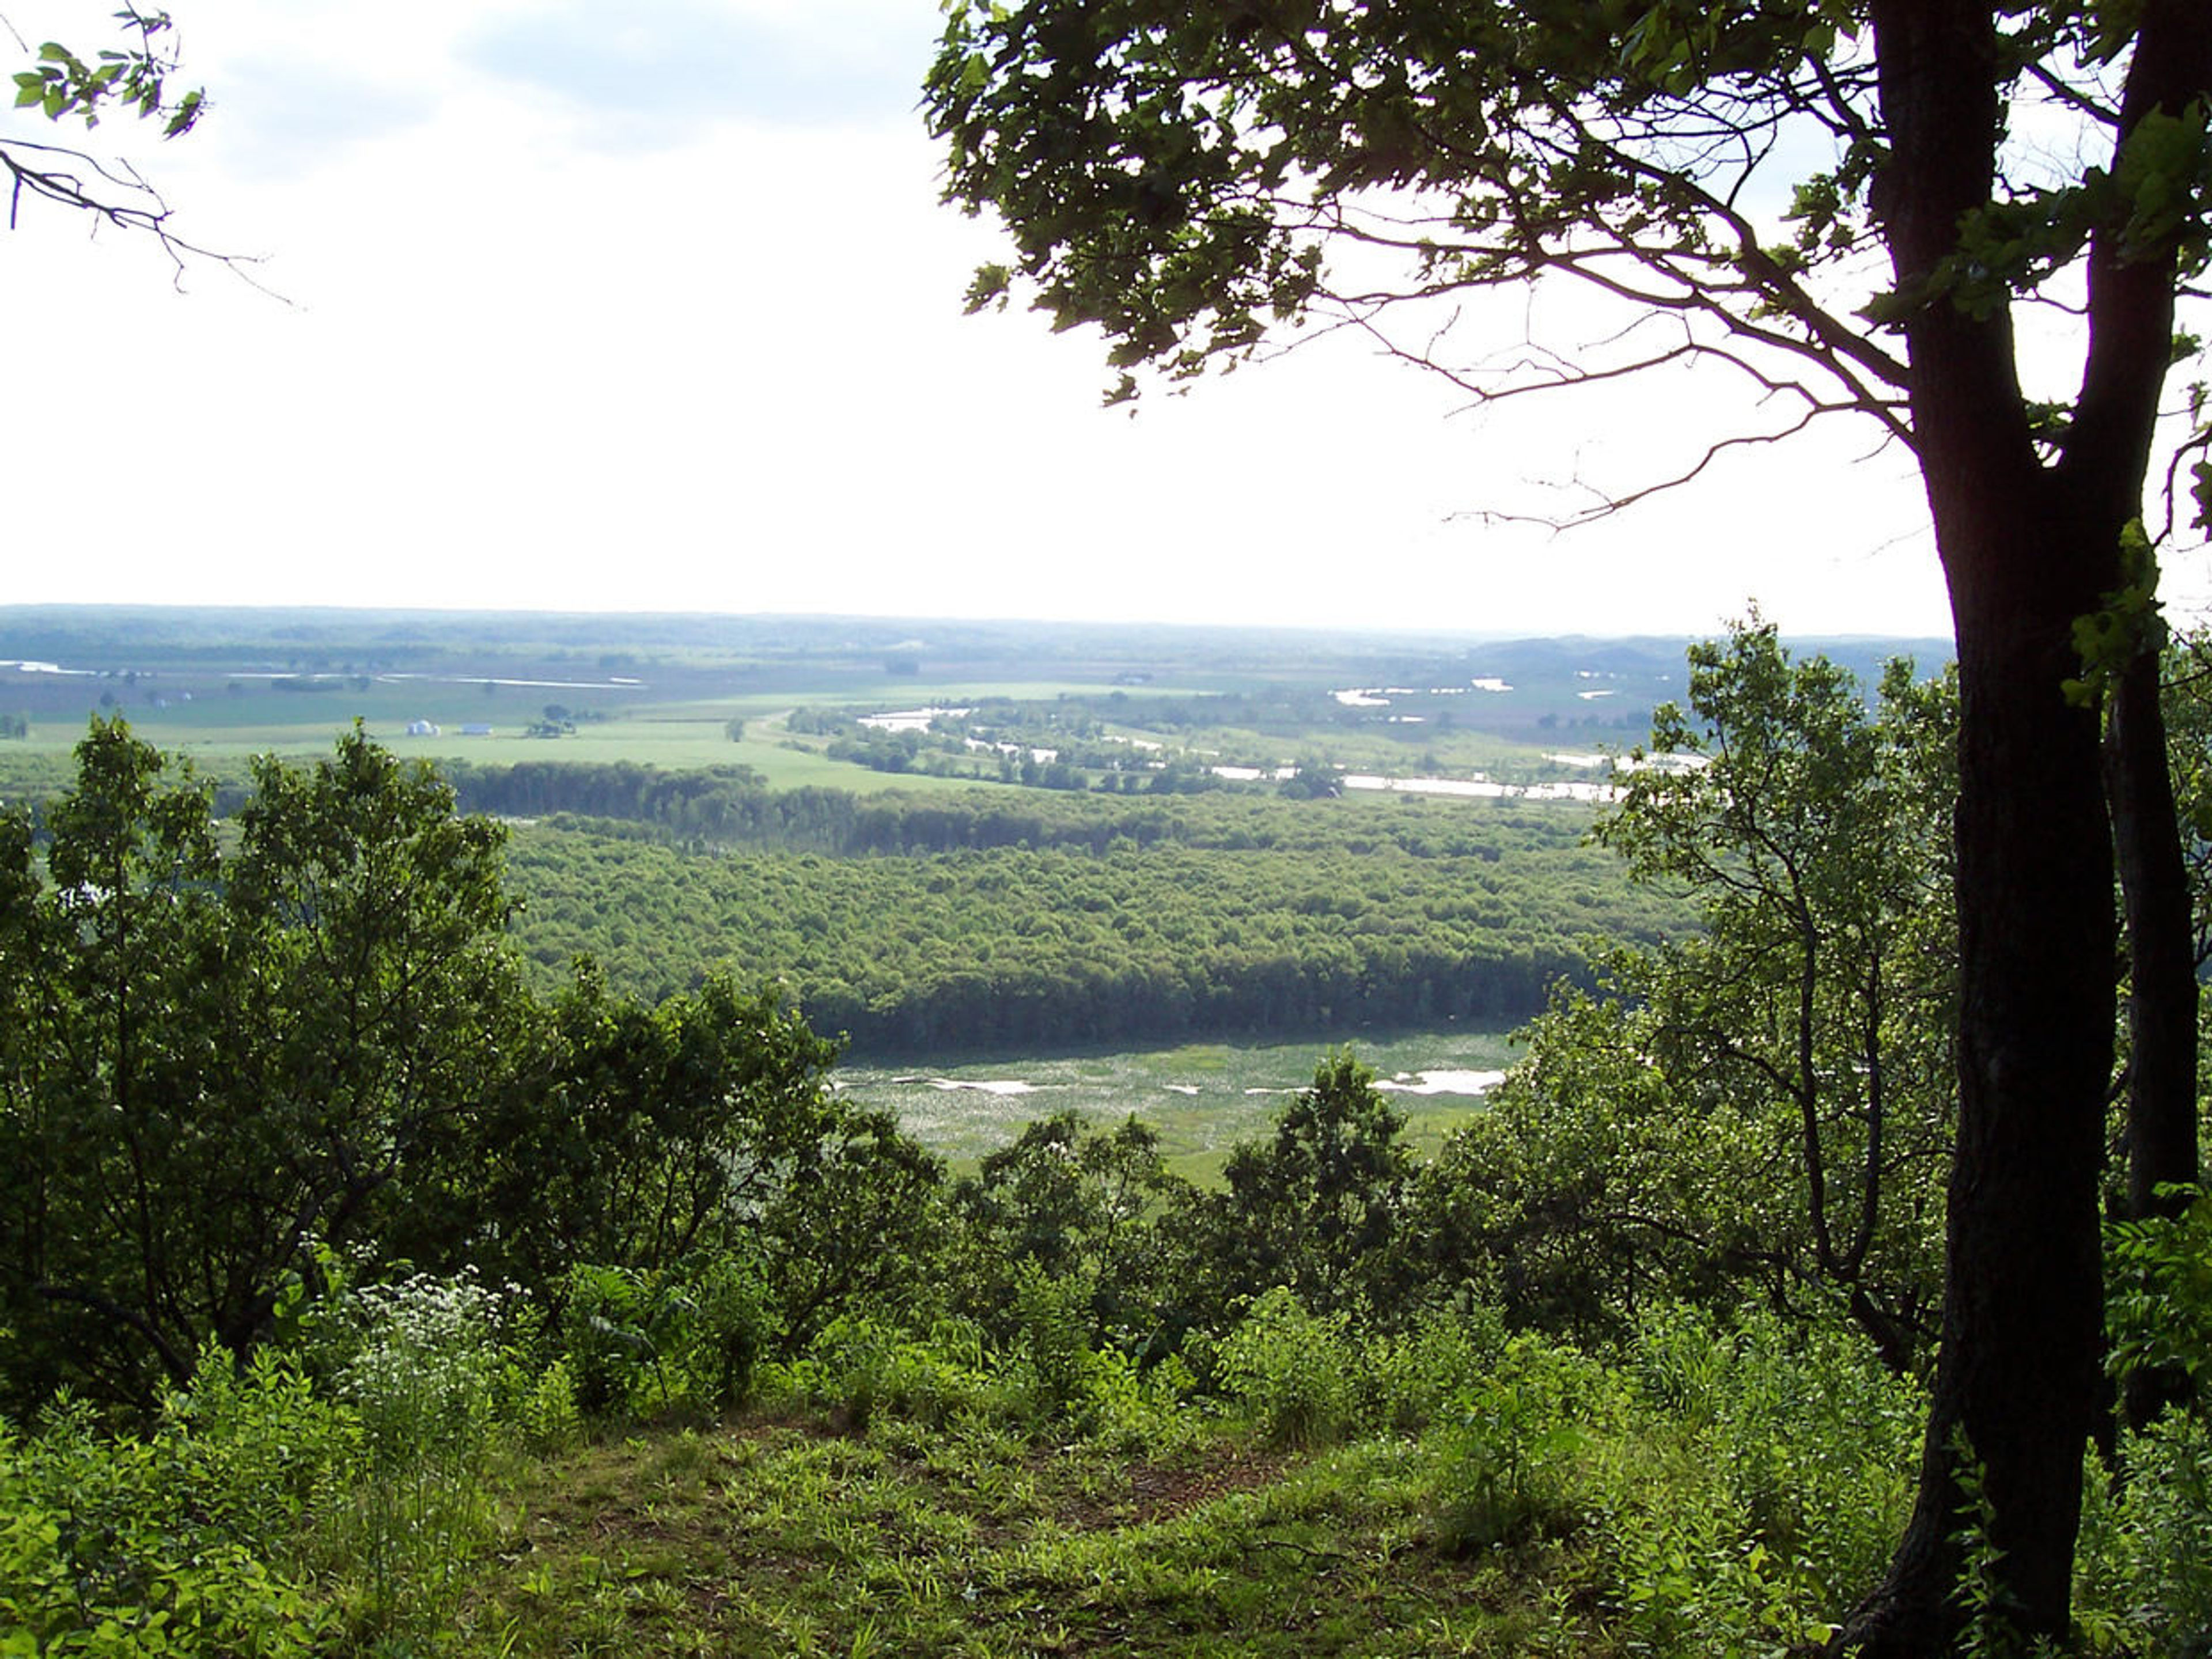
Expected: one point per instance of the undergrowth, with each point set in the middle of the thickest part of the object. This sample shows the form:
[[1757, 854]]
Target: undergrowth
[[414, 1480]]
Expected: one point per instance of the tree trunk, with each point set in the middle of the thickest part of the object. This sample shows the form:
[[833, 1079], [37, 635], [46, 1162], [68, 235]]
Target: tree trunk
[[2016, 1379], [2026, 548], [2161, 1132]]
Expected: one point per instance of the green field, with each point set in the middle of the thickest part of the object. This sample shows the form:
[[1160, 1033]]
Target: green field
[[220, 685], [1202, 1098]]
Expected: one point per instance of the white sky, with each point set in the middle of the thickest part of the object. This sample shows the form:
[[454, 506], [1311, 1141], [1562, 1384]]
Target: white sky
[[650, 304]]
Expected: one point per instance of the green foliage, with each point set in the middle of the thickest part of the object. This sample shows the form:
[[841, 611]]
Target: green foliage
[[693, 1219], [2145, 1560], [1577, 1195], [1052, 1318], [1116, 924], [1317, 1207], [1731, 1486], [1769, 1102], [1804, 1441], [2159, 1298], [419, 1362], [635, 1137], [1295, 1372], [857, 1226], [136, 78], [221, 1058], [1078, 1209], [1413, 1377], [857, 1366], [229, 1056], [1508, 1447], [636, 1344], [104, 1552]]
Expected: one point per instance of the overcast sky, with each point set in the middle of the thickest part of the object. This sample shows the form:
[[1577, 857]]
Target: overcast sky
[[651, 304]]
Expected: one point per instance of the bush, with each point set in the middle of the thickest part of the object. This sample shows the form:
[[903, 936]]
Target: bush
[[2145, 1559], [638, 1343], [1297, 1373], [1052, 1324], [420, 1365], [1414, 1378], [261, 1452], [1771, 1476], [1508, 1471], [2159, 1302], [179, 1543], [858, 1368], [546, 1415]]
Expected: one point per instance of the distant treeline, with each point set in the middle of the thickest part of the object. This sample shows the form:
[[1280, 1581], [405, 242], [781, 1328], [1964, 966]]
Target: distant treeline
[[930, 926], [724, 802], [732, 805]]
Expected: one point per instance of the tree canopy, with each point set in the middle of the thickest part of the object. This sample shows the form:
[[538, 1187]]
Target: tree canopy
[[1191, 178]]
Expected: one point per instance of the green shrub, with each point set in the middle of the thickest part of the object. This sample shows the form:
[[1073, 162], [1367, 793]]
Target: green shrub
[[1508, 1472], [1761, 1476], [261, 1451], [1413, 1377], [1297, 1374], [420, 1365], [639, 1343], [2160, 1303], [115, 1546], [2144, 1564], [859, 1367], [1052, 1326], [545, 1413]]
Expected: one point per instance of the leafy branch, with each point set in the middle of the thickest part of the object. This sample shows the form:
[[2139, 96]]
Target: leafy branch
[[134, 77]]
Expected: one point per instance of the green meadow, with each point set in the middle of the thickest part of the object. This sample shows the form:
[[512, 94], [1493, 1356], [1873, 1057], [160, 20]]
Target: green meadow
[[1201, 1098]]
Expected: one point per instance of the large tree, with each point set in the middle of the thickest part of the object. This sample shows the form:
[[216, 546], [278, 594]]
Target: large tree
[[214, 1060], [1811, 1015], [1192, 176]]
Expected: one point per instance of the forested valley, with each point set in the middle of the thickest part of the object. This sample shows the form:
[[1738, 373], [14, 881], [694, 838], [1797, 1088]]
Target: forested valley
[[938, 930], [384, 1270]]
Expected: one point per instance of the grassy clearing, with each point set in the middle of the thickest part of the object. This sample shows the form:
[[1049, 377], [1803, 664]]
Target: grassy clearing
[[770, 1539]]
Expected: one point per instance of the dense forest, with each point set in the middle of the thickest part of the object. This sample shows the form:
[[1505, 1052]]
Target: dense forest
[[338, 1245], [1097, 924]]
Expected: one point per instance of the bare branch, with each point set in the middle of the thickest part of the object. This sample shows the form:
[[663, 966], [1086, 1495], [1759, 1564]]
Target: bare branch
[[1612, 502], [2073, 97], [111, 193]]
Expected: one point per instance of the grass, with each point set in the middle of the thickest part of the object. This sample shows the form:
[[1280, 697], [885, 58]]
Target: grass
[[645, 738], [767, 1538], [1238, 1090]]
